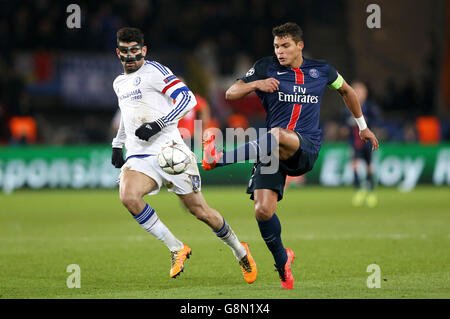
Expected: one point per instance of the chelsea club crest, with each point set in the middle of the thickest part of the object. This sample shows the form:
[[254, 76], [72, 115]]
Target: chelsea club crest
[[314, 73], [137, 80]]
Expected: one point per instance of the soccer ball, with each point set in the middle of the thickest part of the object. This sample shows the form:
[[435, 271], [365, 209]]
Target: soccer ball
[[174, 158]]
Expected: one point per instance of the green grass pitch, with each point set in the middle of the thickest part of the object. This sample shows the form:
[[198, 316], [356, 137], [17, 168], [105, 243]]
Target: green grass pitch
[[407, 235]]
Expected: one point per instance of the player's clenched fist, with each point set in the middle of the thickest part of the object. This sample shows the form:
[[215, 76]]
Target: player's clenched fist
[[268, 85], [117, 157], [147, 130]]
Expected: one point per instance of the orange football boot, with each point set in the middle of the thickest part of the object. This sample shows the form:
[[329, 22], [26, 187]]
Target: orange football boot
[[177, 260], [210, 155], [248, 265]]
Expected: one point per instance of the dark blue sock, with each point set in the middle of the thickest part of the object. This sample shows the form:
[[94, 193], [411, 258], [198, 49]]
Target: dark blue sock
[[356, 181], [262, 147], [370, 181], [271, 233]]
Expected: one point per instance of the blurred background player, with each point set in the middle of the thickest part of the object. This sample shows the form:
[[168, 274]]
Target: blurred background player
[[364, 184], [152, 100]]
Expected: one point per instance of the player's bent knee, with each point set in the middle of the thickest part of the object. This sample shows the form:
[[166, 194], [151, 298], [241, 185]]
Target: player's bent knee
[[262, 213], [130, 200], [282, 135], [276, 131]]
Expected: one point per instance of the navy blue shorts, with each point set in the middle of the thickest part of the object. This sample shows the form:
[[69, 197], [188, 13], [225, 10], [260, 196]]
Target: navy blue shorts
[[298, 164], [364, 153]]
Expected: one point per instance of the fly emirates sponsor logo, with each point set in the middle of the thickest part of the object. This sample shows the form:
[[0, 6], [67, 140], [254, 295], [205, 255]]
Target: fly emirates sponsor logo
[[299, 96]]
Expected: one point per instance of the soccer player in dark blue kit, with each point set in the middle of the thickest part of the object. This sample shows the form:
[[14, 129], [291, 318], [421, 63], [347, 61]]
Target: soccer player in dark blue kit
[[290, 88]]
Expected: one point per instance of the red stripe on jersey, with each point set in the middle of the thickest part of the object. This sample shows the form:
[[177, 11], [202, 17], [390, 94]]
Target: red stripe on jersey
[[294, 116], [170, 85], [297, 107], [298, 76]]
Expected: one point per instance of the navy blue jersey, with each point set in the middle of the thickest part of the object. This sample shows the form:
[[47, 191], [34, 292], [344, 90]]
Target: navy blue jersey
[[296, 104]]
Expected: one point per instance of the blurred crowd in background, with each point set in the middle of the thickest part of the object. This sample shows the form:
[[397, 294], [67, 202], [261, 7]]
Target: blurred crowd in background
[[56, 82]]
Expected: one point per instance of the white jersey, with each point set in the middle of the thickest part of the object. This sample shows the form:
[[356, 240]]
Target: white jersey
[[153, 92]]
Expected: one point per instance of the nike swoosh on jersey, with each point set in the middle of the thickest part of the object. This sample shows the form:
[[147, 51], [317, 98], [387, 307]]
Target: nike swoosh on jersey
[[279, 73]]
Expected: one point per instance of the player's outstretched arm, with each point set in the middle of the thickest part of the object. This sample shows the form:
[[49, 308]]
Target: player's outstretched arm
[[240, 89], [351, 101]]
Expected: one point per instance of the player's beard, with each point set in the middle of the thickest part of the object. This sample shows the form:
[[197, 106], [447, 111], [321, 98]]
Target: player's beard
[[131, 67]]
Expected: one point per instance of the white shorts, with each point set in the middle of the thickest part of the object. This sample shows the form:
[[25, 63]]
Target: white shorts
[[181, 184]]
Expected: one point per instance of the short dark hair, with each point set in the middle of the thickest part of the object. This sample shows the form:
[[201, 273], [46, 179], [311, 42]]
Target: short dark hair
[[129, 34], [289, 28]]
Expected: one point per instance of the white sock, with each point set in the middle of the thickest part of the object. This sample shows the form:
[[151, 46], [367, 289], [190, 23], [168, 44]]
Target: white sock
[[229, 238], [149, 220]]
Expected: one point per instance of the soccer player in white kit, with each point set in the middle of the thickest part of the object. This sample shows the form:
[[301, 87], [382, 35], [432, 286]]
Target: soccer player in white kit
[[151, 101]]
